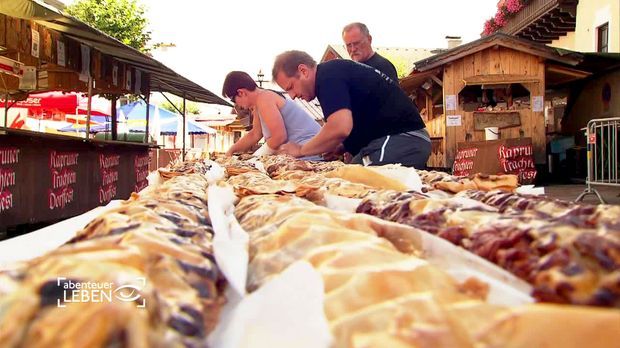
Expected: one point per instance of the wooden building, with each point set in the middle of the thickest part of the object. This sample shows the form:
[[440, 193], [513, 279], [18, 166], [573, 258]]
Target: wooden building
[[588, 26], [497, 81]]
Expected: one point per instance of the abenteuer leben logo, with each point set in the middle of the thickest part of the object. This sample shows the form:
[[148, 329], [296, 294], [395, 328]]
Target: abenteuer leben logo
[[99, 292]]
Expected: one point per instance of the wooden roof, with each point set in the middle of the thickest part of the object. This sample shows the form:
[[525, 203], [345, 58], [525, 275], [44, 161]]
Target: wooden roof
[[162, 78], [413, 81], [499, 39]]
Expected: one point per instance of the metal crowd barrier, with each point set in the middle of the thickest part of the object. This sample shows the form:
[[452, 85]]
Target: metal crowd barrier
[[602, 135]]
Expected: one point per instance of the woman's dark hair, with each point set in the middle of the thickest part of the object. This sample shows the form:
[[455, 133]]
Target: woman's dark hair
[[235, 80]]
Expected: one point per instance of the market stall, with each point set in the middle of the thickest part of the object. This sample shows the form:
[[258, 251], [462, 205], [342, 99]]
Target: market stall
[[51, 112], [50, 50], [42, 49], [495, 87]]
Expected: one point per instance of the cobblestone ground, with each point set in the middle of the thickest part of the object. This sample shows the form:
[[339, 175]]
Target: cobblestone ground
[[571, 192]]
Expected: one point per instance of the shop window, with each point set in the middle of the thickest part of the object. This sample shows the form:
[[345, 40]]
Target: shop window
[[602, 38], [506, 97]]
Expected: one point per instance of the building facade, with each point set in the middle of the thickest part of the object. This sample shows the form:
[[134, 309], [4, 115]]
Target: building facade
[[591, 27], [597, 28]]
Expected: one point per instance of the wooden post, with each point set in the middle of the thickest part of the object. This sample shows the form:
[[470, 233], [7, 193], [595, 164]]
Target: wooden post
[[183, 128], [148, 108], [114, 118], [88, 108], [6, 109], [453, 84]]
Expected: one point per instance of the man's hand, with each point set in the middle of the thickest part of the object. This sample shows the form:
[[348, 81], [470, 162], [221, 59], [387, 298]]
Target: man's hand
[[347, 157], [334, 155], [292, 149]]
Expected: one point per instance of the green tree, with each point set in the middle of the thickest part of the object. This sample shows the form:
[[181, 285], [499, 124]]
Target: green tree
[[190, 107], [122, 19], [403, 67]]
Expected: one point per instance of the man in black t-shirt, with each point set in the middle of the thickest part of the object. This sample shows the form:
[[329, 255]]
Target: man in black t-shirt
[[358, 40], [366, 112]]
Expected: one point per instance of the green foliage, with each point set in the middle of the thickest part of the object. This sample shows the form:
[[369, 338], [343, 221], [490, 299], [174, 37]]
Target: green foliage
[[122, 19], [190, 107], [403, 67]]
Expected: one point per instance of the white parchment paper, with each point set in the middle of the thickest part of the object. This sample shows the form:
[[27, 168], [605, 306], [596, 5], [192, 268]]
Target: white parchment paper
[[408, 176], [530, 190], [230, 241], [285, 312]]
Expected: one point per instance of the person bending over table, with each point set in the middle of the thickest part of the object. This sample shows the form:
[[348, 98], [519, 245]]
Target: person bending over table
[[274, 117], [366, 112]]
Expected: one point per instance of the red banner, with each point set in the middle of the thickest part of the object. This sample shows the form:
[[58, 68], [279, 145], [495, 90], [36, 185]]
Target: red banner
[[505, 156], [52, 100]]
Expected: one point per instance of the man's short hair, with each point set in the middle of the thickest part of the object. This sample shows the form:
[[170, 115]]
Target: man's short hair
[[363, 28], [289, 61], [235, 80]]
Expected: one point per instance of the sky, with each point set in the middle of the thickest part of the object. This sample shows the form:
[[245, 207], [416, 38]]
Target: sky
[[215, 37]]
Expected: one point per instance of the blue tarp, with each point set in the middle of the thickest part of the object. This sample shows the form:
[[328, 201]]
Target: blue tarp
[[135, 116], [135, 113]]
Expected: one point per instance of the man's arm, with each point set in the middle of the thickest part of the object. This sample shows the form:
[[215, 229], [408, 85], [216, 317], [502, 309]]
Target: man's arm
[[337, 128]]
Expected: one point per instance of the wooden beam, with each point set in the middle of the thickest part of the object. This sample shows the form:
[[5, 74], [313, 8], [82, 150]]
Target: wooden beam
[[538, 35], [437, 80], [548, 30], [534, 36], [415, 79], [557, 24], [530, 37], [571, 10], [497, 79], [563, 18], [541, 31], [543, 26], [568, 71]]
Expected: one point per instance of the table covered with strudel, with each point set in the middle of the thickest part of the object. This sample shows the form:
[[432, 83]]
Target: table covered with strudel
[[401, 257]]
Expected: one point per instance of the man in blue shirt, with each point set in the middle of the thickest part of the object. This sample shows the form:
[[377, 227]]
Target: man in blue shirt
[[366, 112]]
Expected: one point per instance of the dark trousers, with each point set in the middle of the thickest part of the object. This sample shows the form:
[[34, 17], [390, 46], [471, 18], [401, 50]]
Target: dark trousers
[[411, 149]]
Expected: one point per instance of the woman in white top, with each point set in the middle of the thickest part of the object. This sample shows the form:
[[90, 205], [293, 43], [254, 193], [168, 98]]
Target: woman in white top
[[278, 119]]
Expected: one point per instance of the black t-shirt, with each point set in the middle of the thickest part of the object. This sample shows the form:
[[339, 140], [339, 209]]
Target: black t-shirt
[[385, 66], [378, 105]]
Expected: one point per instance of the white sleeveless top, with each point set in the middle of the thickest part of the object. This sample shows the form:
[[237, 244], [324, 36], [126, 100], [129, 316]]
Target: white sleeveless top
[[300, 126]]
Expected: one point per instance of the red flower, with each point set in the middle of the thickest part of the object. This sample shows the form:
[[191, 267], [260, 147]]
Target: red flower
[[506, 9], [500, 19], [513, 6], [489, 27]]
